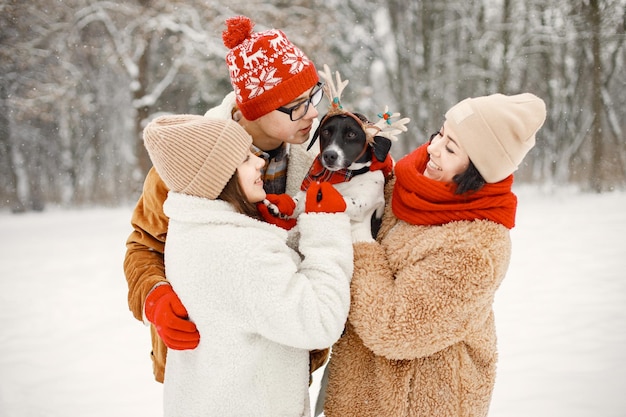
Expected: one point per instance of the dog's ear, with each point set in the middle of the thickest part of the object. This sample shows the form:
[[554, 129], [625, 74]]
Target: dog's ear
[[316, 134], [381, 147]]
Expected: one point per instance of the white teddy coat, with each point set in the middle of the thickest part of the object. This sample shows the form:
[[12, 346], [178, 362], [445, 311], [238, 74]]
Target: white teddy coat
[[257, 305]]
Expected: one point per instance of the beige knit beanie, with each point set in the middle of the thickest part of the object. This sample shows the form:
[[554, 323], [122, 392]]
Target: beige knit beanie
[[196, 155], [497, 131]]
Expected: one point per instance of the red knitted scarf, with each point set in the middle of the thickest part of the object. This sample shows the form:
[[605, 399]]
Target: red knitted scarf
[[421, 200]]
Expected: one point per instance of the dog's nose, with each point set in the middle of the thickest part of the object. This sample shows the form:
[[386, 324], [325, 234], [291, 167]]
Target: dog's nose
[[330, 157]]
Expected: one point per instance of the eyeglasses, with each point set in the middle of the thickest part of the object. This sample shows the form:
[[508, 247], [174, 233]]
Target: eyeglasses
[[299, 110]]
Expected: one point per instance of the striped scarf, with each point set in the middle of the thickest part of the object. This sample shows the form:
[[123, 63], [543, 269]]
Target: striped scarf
[[274, 174]]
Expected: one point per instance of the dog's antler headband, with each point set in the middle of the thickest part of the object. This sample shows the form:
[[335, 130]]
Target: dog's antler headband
[[384, 127], [334, 92]]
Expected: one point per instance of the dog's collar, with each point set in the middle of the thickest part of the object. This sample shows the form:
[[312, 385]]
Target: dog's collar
[[318, 173], [360, 171]]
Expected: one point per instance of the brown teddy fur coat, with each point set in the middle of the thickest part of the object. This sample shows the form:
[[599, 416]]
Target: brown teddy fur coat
[[420, 338]]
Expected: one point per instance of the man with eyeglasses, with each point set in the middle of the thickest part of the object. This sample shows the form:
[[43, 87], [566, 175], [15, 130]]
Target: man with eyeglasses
[[276, 88], [276, 151]]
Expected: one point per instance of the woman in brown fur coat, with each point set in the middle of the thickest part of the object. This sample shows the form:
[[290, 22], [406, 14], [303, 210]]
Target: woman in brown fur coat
[[420, 338]]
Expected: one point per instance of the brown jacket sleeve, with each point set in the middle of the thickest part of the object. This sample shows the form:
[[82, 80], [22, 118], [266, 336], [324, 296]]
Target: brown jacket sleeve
[[143, 264]]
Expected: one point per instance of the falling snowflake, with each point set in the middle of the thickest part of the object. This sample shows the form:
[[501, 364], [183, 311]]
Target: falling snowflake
[[297, 60], [266, 81]]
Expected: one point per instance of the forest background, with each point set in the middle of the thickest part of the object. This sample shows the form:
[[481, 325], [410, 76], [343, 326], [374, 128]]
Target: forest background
[[80, 78]]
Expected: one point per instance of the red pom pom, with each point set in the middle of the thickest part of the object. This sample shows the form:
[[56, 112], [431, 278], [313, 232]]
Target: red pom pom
[[238, 29]]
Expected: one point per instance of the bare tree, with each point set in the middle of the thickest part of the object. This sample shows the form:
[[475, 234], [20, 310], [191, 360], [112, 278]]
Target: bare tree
[[80, 78]]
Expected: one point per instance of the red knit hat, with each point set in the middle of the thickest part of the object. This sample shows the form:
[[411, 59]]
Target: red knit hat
[[266, 70]]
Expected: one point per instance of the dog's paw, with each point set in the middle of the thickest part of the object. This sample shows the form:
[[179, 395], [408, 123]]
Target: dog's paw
[[272, 208], [364, 195], [280, 205]]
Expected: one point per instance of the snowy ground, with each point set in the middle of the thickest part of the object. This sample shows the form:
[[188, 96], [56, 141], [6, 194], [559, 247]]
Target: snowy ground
[[69, 347]]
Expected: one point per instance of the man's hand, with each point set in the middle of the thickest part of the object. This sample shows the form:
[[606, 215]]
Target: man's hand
[[170, 318]]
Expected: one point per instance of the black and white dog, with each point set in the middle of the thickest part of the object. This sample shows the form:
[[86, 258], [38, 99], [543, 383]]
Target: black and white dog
[[354, 157], [355, 165], [343, 144]]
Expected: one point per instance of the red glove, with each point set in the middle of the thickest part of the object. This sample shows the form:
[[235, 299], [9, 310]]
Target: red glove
[[285, 206], [386, 166], [322, 197], [165, 310]]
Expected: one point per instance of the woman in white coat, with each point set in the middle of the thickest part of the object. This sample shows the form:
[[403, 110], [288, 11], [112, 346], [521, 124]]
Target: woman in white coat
[[259, 305]]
